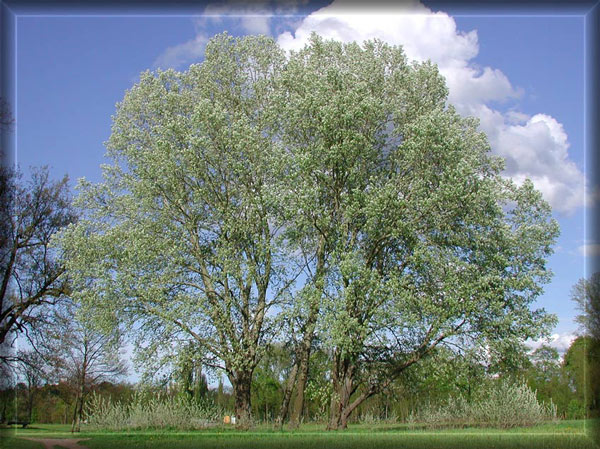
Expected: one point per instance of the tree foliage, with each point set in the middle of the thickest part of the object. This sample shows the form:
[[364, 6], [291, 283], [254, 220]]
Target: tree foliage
[[334, 190], [586, 294]]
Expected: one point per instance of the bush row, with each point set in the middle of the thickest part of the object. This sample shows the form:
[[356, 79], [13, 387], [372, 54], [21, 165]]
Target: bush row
[[143, 412], [503, 404]]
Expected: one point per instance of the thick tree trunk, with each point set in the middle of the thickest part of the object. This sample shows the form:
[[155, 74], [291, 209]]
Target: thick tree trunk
[[343, 388], [241, 392], [287, 395]]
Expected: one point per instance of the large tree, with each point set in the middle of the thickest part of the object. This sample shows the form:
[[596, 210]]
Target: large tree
[[182, 237], [416, 239], [341, 162]]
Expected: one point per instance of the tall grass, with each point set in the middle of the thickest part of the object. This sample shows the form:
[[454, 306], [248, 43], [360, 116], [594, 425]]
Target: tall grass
[[501, 405], [144, 412]]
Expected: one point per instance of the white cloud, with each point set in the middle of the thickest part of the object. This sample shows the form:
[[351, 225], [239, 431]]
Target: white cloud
[[251, 18], [535, 147], [470, 85], [560, 342], [182, 54], [423, 34], [589, 250]]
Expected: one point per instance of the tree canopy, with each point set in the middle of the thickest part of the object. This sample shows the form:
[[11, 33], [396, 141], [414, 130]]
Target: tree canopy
[[333, 185]]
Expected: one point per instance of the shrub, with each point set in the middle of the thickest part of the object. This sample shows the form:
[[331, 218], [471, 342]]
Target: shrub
[[503, 404], [575, 409], [152, 412]]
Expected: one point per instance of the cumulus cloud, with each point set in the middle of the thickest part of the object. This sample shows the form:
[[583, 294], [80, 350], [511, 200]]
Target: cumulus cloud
[[560, 342], [534, 147], [423, 34], [253, 18]]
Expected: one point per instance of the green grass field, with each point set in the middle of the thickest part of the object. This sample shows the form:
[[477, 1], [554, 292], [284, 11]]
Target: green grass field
[[563, 434]]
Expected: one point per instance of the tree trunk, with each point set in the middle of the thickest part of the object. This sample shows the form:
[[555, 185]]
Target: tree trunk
[[30, 406], [303, 357], [287, 395], [78, 412], [343, 387], [303, 361], [341, 407], [3, 414], [241, 391], [75, 424]]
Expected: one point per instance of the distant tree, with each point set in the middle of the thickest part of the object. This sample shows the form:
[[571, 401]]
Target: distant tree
[[220, 396], [188, 372], [31, 278], [582, 367], [586, 294], [82, 354], [584, 353], [269, 381], [546, 361], [266, 393], [34, 372], [546, 376]]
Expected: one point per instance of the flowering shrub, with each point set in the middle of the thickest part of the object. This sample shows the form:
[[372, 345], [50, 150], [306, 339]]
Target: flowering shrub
[[502, 404], [144, 412]]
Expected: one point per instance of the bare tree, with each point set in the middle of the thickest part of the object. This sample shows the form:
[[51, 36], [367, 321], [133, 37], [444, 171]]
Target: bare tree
[[30, 276], [6, 121], [34, 371], [81, 353]]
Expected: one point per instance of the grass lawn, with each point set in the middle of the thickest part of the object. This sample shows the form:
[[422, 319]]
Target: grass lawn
[[562, 434]]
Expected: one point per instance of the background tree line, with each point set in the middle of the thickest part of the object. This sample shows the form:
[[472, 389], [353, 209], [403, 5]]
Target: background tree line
[[40, 398]]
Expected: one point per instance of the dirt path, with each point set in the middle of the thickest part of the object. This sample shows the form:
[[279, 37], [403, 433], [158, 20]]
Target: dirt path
[[68, 443]]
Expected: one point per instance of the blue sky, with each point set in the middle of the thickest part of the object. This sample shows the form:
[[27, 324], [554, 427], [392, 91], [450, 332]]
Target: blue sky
[[523, 76]]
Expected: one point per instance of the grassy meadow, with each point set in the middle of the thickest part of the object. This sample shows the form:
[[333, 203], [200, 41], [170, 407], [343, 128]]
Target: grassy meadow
[[575, 434]]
